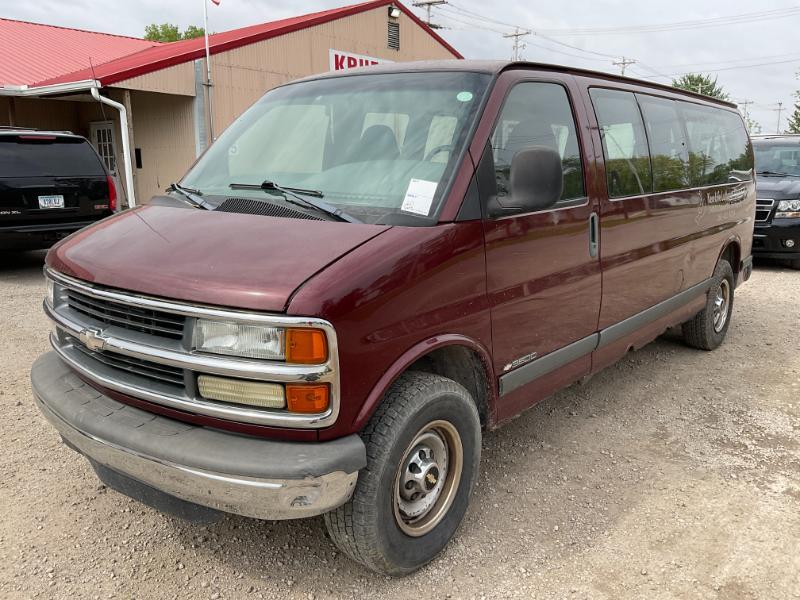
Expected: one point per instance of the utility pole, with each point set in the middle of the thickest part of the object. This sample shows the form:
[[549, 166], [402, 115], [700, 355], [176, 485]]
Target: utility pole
[[744, 104], [780, 110], [623, 64], [428, 5], [518, 33]]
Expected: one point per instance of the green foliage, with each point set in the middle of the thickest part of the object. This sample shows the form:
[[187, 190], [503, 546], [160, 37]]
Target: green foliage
[[167, 32], [753, 126], [794, 119], [700, 84], [193, 31]]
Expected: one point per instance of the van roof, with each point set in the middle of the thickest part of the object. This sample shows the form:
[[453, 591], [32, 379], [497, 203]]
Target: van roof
[[495, 67]]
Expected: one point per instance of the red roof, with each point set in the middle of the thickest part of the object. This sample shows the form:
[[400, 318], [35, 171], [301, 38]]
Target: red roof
[[32, 52], [160, 56]]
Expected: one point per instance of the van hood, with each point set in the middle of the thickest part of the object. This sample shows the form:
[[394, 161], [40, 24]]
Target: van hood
[[234, 260]]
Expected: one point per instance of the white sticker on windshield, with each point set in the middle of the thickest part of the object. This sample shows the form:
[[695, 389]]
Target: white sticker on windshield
[[419, 197]]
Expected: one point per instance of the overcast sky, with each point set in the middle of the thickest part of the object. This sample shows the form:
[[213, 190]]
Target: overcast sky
[[719, 50]]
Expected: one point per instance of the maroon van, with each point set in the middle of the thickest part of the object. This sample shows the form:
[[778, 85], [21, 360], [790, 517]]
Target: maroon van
[[368, 269]]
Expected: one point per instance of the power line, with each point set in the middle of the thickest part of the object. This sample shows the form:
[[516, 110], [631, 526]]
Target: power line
[[741, 18], [517, 35], [623, 64], [428, 5]]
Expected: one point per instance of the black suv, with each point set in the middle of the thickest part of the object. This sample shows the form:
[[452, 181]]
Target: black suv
[[777, 226], [52, 183]]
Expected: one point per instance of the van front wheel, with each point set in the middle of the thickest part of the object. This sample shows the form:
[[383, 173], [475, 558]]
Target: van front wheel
[[423, 450], [707, 329]]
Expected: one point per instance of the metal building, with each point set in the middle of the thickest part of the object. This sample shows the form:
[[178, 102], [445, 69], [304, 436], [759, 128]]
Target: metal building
[[145, 105]]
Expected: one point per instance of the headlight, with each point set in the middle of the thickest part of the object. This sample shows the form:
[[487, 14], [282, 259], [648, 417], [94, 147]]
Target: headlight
[[301, 345], [240, 339], [788, 209], [50, 293]]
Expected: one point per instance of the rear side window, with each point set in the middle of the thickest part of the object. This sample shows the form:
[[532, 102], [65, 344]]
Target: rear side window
[[538, 114], [624, 143], [40, 156], [669, 153], [719, 149]]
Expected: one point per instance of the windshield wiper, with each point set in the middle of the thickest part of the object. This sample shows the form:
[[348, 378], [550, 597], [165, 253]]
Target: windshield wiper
[[193, 196], [292, 195], [776, 174]]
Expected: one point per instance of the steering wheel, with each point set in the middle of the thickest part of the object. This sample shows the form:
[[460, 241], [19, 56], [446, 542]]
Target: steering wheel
[[437, 149]]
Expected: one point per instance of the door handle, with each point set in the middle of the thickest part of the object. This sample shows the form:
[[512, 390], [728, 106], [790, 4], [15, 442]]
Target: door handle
[[594, 235]]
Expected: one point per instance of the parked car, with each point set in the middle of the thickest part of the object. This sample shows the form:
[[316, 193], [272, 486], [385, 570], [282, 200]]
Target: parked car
[[52, 183], [777, 226], [369, 268]]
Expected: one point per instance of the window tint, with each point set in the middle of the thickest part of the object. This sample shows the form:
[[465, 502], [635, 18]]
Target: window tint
[[624, 143], [62, 157], [669, 153], [719, 149], [538, 114]]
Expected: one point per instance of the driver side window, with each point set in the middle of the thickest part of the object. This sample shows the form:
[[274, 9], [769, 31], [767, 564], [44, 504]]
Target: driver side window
[[538, 114]]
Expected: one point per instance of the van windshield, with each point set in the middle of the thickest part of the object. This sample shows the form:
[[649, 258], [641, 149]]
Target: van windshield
[[374, 146]]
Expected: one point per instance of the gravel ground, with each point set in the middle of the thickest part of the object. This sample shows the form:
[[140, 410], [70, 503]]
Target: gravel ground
[[674, 474]]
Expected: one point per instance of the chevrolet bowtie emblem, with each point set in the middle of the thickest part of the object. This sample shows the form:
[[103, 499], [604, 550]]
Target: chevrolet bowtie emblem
[[93, 339], [431, 478]]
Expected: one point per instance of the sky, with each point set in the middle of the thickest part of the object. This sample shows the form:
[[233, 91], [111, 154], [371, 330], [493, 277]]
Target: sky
[[728, 50]]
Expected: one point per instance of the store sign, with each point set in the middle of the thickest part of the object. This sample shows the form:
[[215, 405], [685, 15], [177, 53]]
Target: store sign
[[341, 61]]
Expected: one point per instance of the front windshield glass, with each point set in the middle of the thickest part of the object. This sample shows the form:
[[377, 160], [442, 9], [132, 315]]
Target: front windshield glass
[[777, 157], [371, 145]]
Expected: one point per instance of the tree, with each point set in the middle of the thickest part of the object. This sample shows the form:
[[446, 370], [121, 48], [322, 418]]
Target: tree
[[794, 119], [700, 84], [167, 32], [753, 126]]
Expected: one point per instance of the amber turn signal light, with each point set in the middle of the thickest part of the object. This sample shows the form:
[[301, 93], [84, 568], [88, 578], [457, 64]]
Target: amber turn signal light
[[307, 399], [306, 346]]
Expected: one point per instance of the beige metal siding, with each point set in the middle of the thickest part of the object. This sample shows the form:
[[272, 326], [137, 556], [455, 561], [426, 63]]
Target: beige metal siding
[[172, 80], [243, 75], [164, 132], [44, 114]]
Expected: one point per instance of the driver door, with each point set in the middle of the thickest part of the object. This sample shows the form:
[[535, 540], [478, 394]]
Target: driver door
[[543, 275]]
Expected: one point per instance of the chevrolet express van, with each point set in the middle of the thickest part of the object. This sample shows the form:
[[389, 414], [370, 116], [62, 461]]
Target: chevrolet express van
[[368, 269]]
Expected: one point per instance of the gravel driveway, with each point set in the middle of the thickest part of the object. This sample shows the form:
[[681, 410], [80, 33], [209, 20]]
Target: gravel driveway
[[674, 474]]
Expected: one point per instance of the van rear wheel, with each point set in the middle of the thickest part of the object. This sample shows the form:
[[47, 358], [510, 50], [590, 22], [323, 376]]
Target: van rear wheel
[[707, 329], [423, 450]]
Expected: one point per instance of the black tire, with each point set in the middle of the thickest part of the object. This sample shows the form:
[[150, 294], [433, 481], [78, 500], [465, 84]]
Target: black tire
[[794, 264], [702, 331], [366, 528]]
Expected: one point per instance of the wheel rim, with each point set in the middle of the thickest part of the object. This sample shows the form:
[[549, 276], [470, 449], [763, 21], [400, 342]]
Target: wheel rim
[[427, 478], [721, 305]]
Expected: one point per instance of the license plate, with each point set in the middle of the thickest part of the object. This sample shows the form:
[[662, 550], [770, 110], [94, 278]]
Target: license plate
[[55, 201]]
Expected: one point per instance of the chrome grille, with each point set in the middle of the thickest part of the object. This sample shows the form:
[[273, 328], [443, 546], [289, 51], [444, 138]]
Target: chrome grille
[[134, 318], [136, 366], [99, 333], [763, 209]]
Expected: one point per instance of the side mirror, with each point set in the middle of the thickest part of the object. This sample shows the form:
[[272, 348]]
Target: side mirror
[[536, 181]]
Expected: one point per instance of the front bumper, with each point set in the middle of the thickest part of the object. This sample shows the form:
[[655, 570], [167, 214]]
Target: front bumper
[[264, 479], [769, 241]]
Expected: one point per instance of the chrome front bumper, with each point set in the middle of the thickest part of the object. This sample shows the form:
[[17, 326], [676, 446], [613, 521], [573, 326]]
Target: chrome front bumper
[[258, 478]]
